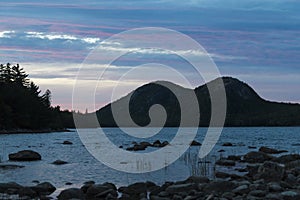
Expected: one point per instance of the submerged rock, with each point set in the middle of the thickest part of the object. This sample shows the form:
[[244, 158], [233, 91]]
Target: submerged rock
[[195, 143], [66, 142], [227, 144], [271, 151], [10, 166], [59, 162], [25, 155]]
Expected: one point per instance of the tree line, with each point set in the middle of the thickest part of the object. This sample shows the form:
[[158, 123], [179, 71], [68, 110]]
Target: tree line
[[23, 106]]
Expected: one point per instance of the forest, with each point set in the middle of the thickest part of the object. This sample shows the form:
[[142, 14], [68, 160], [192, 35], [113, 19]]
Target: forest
[[24, 108]]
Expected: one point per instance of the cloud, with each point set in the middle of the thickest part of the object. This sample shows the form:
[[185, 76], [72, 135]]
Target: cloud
[[6, 34], [58, 36]]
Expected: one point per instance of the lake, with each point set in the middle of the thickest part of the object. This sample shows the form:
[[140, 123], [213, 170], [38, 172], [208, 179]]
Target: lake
[[82, 166]]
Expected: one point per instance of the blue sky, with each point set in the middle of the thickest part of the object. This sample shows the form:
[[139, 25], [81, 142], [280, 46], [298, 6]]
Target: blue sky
[[256, 41]]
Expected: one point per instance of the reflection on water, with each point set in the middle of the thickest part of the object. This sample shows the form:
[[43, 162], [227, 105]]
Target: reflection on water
[[82, 166]]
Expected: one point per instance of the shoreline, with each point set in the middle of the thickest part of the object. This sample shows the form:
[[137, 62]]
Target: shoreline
[[265, 176], [33, 131]]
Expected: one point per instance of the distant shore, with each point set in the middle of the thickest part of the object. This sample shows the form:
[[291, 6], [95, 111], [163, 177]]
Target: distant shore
[[20, 131]]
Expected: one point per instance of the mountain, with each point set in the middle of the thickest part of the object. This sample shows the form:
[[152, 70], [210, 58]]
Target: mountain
[[244, 106]]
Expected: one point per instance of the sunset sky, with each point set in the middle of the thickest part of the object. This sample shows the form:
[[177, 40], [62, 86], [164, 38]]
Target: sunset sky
[[257, 41]]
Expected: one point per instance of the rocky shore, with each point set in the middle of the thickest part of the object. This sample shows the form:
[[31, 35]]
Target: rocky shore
[[265, 176]]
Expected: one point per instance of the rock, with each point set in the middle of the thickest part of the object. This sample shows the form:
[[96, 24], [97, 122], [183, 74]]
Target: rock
[[95, 189], [4, 187], [44, 189], [222, 175], [27, 192], [66, 142], [157, 143], [163, 194], [243, 189], [129, 148], [175, 189], [146, 144], [197, 179], [227, 144], [219, 186], [195, 143], [71, 193], [257, 157], [223, 162], [165, 143], [59, 162], [138, 188], [9, 167], [252, 169], [110, 185], [295, 165], [270, 171], [274, 187], [290, 195], [228, 195], [138, 147], [234, 158], [86, 186], [68, 183], [221, 150], [113, 193], [258, 193], [287, 158], [271, 151], [271, 196], [251, 147], [291, 179], [25, 155]]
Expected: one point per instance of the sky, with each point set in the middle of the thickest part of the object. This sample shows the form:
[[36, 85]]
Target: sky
[[256, 41]]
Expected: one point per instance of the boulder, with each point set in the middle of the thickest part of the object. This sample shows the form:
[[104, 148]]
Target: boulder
[[242, 189], [219, 187], [287, 158], [271, 151], [222, 175], [270, 171], [136, 188], [95, 189], [173, 189], [27, 192], [234, 158], [290, 195], [258, 193], [44, 189], [197, 179], [257, 157], [71, 193], [4, 187], [25, 155]]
